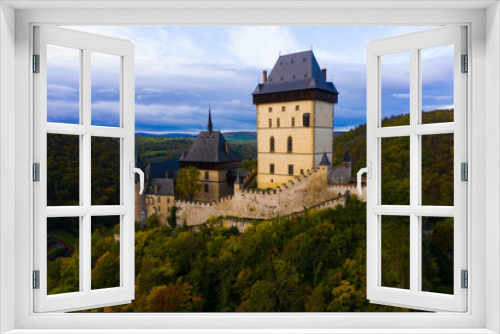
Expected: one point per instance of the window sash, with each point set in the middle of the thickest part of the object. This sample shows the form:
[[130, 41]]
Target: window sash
[[86, 297], [414, 298]]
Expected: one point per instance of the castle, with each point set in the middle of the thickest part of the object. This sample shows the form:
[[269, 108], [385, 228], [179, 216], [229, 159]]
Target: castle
[[295, 110], [158, 197], [217, 162], [294, 119]]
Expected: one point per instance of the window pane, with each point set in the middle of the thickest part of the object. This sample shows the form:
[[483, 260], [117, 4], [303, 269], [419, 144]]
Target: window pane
[[105, 89], [437, 254], [395, 171], [63, 85], [63, 169], [396, 251], [437, 84], [63, 261], [437, 170], [395, 90], [105, 171], [105, 248]]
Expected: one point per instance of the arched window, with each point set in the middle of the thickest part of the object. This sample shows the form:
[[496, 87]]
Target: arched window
[[289, 145], [271, 144]]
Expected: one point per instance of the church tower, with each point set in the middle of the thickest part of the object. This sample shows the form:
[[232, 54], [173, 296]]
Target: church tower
[[294, 119]]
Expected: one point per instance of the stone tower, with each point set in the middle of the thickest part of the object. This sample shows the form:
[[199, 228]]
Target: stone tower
[[294, 119], [217, 163]]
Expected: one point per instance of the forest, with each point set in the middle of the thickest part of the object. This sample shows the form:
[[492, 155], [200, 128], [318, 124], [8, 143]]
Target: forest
[[311, 263], [160, 149]]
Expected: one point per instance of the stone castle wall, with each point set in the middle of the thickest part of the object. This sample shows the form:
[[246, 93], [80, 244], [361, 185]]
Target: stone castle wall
[[340, 174], [307, 191]]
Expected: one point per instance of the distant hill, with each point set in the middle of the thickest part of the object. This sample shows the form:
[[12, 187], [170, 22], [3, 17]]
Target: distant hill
[[166, 135], [240, 135], [337, 134]]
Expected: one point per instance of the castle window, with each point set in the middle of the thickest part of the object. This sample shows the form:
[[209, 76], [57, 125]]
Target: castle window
[[168, 200], [159, 209], [305, 119], [301, 172], [206, 188], [271, 168], [293, 121], [297, 108], [206, 176], [159, 199], [278, 123], [290, 169], [271, 144], [289, 145], [283, 108], [168, 209], [270, 109], [270, 123]]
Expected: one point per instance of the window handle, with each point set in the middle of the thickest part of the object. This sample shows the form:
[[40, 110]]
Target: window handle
[[134, 170], [368, 171]]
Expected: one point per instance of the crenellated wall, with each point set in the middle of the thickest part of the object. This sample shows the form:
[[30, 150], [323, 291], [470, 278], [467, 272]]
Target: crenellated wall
[[307, 191]]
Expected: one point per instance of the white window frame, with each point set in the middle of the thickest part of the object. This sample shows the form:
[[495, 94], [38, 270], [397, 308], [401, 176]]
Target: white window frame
[[124, 52], [484, 211], [414, 296]]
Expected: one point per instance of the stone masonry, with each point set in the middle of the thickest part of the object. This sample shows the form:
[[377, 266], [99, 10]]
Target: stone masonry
[[307, 191]]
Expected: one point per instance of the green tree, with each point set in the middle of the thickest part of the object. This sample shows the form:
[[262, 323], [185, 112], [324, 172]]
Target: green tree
[[172, 218], [187, 185]]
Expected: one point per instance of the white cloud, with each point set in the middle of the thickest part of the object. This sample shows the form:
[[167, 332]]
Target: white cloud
[[430, 107], [401, 96], [260, 46], [344, 128]]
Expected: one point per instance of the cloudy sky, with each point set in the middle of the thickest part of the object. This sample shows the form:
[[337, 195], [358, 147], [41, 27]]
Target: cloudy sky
[[180, 70]]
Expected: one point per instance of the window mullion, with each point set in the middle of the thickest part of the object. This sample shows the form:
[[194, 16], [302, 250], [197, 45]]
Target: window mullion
[[414, 170], [86, 165]]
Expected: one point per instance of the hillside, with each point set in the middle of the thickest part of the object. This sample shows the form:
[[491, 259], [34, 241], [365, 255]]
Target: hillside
[[437, 160], [160, 149], [240, 136]]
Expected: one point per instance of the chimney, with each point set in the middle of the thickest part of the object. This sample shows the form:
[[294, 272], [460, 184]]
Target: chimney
[[264, 76], [156, 188], [324, 72]]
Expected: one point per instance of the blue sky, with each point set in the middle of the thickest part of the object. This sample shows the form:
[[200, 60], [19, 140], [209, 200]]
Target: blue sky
[[180, 70]]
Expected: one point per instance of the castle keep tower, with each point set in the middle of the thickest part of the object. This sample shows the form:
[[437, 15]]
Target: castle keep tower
[[294, 119]]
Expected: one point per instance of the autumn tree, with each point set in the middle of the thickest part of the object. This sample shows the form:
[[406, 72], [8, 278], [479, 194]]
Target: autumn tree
[[187, 185]]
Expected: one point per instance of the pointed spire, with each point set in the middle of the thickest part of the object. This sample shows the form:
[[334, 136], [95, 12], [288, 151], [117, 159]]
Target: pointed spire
[[138, 164], [238, 177], [210, 125], [347, 157], [324, 160]]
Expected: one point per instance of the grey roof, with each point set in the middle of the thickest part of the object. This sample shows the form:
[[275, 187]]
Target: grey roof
[[324, 160], [164, 187], [159, 169], [347, 157], [210, 147], [295, 71]]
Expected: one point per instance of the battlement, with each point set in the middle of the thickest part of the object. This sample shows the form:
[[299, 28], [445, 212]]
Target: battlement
[[310, 190], [180, 202]]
